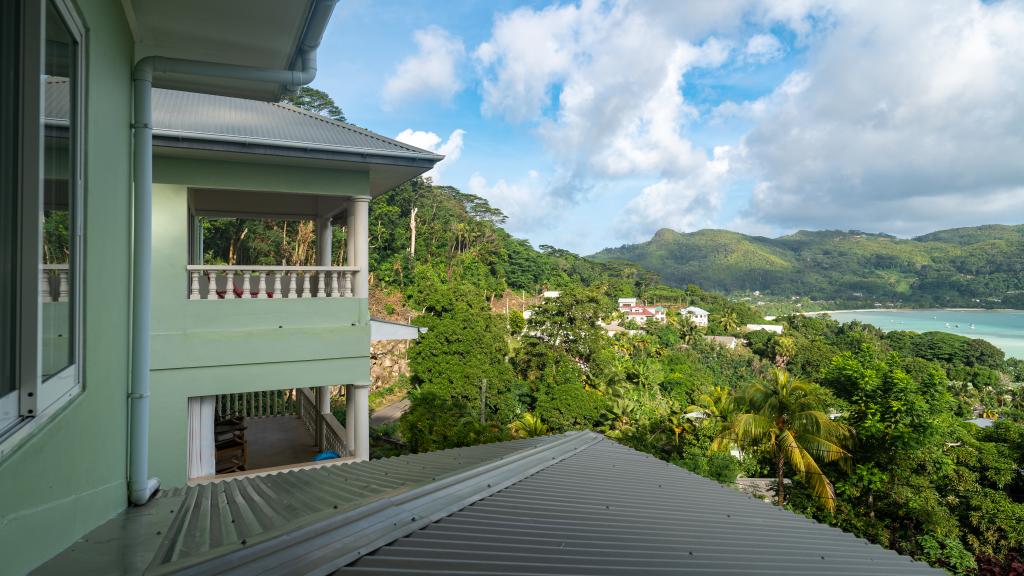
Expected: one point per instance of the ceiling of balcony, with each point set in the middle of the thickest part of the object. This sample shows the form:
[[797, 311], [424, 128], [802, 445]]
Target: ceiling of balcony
[[259, 33]]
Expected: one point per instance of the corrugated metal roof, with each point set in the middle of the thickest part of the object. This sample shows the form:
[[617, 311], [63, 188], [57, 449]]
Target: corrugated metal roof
[[612, 510], [220, 515], [185, 115]]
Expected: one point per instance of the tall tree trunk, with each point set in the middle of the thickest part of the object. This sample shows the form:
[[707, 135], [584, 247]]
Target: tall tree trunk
[[781, 490], [412, 232]]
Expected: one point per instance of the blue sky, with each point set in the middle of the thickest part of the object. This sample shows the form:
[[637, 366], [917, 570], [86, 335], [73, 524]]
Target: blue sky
[[595, 123]]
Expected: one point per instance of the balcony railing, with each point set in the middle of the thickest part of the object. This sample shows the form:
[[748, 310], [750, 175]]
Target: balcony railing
[[331, 431], [258, 404], [219, 282], [53, 283]]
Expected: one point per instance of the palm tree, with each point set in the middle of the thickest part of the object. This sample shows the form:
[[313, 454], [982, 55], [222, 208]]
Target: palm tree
[[729, 322], [784, 414], [689, 332], [528, 426], [715, 405]]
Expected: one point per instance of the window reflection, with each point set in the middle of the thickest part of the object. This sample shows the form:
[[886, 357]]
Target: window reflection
[[57, 217]]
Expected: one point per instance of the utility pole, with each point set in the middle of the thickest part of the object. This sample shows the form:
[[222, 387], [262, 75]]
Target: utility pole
[[483, 400]]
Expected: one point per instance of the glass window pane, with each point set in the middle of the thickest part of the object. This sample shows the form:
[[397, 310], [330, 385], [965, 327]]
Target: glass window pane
[[10, 93], [57, 283]]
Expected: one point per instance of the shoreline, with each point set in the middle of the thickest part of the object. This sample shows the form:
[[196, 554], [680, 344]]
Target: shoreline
[[910, 310]]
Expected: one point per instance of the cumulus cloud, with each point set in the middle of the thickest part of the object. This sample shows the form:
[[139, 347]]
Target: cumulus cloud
[[431, 72], [450, 148], [763, 48], [904, 120], [602, 83], [527, 202], [684, 204]]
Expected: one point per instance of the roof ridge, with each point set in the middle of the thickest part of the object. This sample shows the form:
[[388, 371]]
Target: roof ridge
[[348, 126]]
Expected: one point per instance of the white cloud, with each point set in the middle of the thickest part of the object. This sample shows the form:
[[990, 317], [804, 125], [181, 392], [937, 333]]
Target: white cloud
[[905, 120], [431, 72], [762, 48], [451, 148], [683, 204], [528, 202]]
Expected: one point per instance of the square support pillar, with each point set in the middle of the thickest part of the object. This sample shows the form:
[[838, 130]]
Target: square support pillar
[[323, 402], [360, 426], [350, 420]]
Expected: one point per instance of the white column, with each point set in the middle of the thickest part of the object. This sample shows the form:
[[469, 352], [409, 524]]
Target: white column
[[325, 241], [361, 427], [350, 248], [350, 420], [202, 455], [361, 241]]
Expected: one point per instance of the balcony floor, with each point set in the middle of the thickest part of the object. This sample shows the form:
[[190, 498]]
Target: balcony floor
[[278, 441]]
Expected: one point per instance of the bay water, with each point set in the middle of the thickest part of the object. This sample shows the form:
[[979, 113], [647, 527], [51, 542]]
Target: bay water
[[1003, 328]]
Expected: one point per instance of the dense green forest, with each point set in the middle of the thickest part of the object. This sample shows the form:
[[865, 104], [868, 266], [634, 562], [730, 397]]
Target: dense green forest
[[978, 267]]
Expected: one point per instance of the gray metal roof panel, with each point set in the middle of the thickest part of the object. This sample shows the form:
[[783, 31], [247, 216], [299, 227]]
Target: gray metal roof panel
[[611, 510]]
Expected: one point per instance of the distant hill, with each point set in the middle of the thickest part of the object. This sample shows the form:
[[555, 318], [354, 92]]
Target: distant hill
[[980, 266]]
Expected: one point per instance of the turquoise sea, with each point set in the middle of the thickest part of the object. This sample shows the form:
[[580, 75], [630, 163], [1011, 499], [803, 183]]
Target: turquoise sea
[[1004, 328]]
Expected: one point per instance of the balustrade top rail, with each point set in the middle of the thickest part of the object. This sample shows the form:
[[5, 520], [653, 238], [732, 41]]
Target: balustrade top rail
[[219, 281], [237, 268]]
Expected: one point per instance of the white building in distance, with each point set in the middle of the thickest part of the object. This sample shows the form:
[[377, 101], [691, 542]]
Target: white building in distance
[[698, 316]]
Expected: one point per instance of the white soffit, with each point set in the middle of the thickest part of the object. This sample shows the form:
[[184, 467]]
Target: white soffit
[[257, 33]]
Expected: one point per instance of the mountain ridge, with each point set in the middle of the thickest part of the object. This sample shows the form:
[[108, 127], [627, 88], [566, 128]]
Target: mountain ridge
[[980, 265]]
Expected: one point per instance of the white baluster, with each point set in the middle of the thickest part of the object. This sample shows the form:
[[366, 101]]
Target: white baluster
[[321, 284], [261, 288], [211, 285], [193, 293], [45, 292], [229, 288], [306, 289], [277, 285], [291, 284], [335, 288], [246, 287], [347, 292], [64, 292]]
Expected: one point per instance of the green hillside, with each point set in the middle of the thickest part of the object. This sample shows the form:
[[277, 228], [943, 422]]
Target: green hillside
[[981, 266]]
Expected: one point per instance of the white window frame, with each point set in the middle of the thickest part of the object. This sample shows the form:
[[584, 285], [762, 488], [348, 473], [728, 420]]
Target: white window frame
[[38, 399]]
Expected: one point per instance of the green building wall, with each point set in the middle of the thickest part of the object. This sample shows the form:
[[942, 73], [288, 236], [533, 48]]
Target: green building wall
[[209, 347], [70, 475]]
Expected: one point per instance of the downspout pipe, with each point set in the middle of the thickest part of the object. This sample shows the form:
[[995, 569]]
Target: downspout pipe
[[140, 486]]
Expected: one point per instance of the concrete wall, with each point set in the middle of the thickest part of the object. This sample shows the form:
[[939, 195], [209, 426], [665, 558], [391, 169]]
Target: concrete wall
[[70, 475], [208, 347]]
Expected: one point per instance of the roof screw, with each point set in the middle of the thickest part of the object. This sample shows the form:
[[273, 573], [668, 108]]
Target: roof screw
[[158, 532], [691, 553], [244, 542], [822, 557], [335, 506]]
